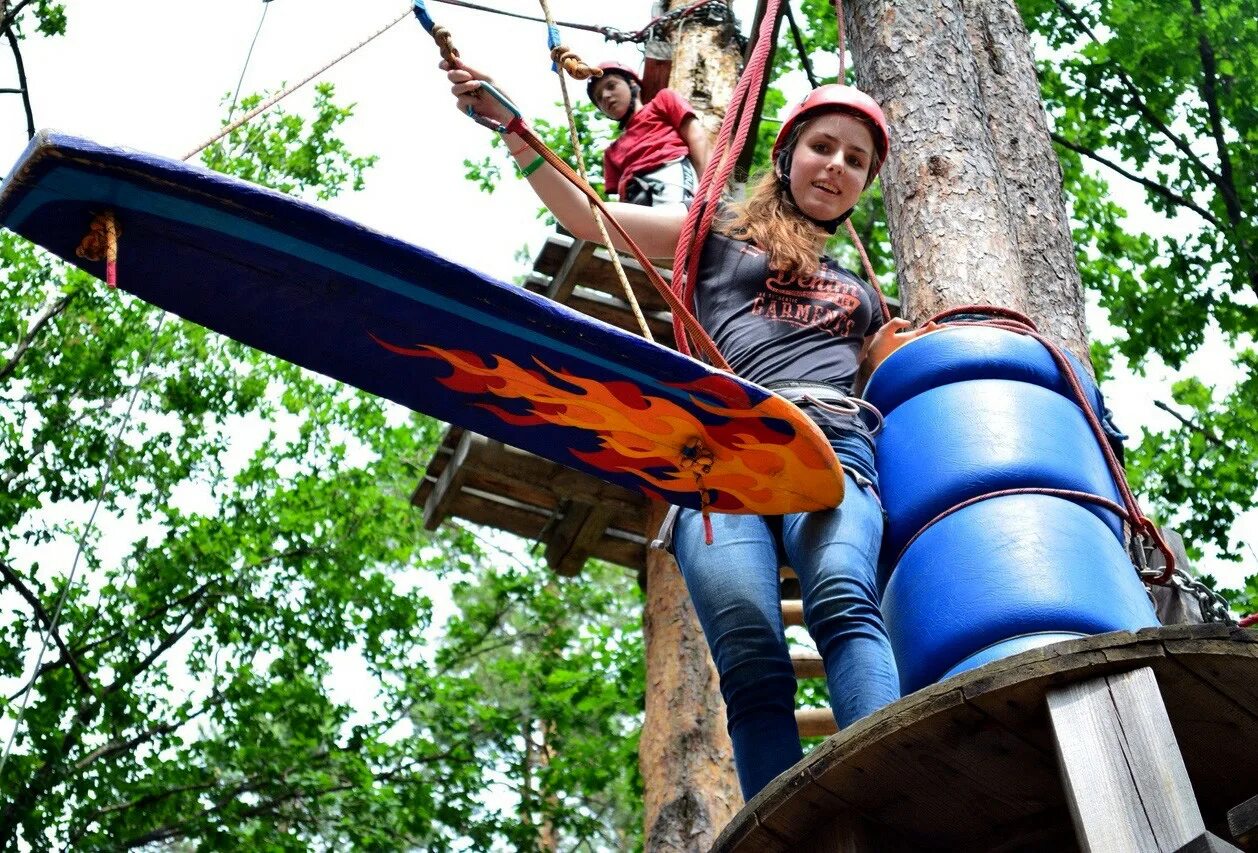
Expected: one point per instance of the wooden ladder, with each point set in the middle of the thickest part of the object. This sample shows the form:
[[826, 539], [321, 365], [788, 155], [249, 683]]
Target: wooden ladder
[[812, 722]]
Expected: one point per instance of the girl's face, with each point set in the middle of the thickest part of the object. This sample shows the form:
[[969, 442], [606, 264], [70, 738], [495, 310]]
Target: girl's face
[[830, 165], [613, 96]]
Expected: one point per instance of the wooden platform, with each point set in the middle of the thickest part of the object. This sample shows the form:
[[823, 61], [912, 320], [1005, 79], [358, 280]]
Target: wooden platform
[[970, 764], [573, 515], [581, 275]]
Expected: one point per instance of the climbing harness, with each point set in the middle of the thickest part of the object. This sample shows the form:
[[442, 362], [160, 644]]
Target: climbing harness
[[830, 399]]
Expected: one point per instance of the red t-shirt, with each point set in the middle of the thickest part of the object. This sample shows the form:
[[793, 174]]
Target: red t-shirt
[[651, 139]]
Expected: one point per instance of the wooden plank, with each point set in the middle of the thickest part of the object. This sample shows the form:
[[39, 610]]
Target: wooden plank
[[1216, 733], [953, 767], [793, 612], [437, 506], [949, 776], [565, 277], [1012, 690], [1125, 781], [505, 468], [815, 722], [617, 312], [807, 663], [1242, 822], [575, 536], [623, 548]]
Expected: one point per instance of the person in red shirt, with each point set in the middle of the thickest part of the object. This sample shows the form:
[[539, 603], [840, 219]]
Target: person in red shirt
[[661, 147]]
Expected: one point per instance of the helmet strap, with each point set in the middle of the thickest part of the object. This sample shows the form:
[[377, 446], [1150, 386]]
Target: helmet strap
[[782, 169], [634, 92]]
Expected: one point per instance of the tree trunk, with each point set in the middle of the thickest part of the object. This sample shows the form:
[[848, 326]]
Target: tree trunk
[[972, 186], [1033, 184], [706, 63], [690, 790]]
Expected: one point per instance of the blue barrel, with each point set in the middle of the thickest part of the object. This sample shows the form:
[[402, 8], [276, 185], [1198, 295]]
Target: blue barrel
[[971, 411]]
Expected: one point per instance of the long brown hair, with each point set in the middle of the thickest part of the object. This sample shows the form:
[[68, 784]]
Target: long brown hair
[[769, 219]]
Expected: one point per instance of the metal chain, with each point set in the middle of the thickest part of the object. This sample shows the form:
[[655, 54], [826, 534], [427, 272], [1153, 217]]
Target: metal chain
[[709, 12], [1214, 607]]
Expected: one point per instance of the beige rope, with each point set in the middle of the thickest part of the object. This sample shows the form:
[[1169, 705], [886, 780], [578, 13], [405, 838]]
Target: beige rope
[[266, 105], [598, 216]]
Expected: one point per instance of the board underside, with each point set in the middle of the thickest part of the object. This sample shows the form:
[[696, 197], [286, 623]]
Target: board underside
[[398, 321]]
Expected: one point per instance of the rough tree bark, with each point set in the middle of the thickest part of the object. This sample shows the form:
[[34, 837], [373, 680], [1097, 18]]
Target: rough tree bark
[[687, 762], [690, 789], [972, 186]]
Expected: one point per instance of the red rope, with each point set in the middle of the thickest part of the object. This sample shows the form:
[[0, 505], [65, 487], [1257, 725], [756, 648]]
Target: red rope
[[732, 137], [1068, 494], [1249, 621], [1013, 321]]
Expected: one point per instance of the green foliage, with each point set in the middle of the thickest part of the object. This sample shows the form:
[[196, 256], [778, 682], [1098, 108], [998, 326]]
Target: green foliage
[[284, 154], [1217, 444], [1154, 94], [49, 15], [260, 665]]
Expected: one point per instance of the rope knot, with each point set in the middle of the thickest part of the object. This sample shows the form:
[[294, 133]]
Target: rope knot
[[565, 57], [100, 243], [445, 42]]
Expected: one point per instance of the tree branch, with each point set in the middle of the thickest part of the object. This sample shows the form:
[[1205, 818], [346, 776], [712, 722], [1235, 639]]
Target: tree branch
[[160, 649], [1209, 94], [1152, 186], [176, 829], [8, 19], [42, 615], [21, 79], [1138, 99], [37, 325], [1209, 434], [114, 748]]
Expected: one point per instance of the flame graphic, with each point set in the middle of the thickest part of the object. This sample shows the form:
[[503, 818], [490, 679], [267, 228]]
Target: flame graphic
[[768, 458]]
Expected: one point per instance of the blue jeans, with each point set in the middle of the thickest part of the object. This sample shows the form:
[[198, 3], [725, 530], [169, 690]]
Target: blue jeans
[[734, 586]]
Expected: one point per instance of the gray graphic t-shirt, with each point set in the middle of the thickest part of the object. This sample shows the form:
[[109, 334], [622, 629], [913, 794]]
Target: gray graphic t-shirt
[[772, 327]]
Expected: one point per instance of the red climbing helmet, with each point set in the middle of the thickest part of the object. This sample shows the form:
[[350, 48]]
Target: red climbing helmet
[[837, 96], [613, 68]]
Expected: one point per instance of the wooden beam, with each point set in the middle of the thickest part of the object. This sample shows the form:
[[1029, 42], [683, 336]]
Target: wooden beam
[[793, 611], [442, 497], [1124, 777], [575, 537], [815, 722], [807, 663], [1242, 822], [565, 279]]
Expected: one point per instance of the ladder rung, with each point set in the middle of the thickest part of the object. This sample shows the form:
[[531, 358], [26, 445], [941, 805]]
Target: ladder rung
[[807, 664], [815, 722], [793, 611]]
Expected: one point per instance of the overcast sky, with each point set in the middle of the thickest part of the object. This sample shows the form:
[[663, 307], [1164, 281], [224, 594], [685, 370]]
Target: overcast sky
[[151, 74]]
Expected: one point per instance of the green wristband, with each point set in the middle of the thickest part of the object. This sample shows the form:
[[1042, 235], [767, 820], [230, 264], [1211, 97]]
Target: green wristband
[[532, 167]]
